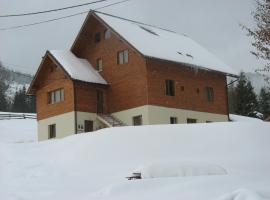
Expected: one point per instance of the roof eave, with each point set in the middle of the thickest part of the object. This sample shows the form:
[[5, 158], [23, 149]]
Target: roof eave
[[192, 66]]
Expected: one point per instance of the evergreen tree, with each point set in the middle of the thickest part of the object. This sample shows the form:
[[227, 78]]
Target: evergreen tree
[[246, 99], [3, 101], [20, 103], [23, 103], [264, 102]]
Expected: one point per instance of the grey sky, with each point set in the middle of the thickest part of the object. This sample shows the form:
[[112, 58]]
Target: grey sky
[[212, 23]]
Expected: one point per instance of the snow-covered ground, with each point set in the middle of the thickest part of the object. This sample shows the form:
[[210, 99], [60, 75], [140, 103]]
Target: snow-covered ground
[[240, 118], [219, 161]]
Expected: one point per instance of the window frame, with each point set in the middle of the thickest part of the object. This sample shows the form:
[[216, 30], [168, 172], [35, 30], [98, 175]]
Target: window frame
[[173, 120], [51, 131], [97, 37], [52, 96], [122, 57], [137, 117], [169, 87], [99, 64], [191, 121], [107, 34], [209, 92]]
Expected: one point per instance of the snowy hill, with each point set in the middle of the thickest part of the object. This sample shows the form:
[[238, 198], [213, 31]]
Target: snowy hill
[[219, 161], [14, 81]]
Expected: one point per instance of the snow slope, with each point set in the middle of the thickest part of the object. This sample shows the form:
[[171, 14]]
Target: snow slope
[[240, 118], [94, 165], [18, 130]]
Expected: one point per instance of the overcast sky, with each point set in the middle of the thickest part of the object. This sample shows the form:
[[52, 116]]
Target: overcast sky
[[212, 23]]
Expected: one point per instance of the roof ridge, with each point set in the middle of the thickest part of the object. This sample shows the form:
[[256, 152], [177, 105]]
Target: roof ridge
[[140, 23]]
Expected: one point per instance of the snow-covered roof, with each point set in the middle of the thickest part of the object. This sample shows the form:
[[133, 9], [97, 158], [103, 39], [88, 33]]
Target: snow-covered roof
[[77, 68], [167, 45]]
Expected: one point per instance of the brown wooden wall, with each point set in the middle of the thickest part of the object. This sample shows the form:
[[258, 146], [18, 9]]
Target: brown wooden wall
[[52, 78], [128, 82], [86, 97], [159, 71]]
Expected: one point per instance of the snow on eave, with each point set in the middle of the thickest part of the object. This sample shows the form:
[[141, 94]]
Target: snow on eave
[[192, 66], [77, 68]]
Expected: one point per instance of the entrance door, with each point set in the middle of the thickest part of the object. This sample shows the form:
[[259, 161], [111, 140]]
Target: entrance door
[[100, 101], [88, 126]]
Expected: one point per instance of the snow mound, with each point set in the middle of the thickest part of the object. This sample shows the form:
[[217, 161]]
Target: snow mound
[[179, 169], [242, 194], [240, 118]]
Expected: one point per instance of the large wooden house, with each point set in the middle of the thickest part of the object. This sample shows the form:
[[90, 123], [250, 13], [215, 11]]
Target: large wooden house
[[120, 72]]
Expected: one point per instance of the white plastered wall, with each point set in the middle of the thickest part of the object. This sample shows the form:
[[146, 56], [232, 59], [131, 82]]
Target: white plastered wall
[[65, 126], [126, 116], [82, 116], [161, 115]]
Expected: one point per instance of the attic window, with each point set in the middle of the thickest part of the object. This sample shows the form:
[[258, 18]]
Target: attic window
[[97, 37], [107, 34], [188, 55], [149, 30]]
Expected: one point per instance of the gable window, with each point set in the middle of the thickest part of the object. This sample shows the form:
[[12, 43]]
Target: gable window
[[122, 57], [97, 37], [191, 121], [107, 34], [173, 120], [99, 64], [137, 120], [169, 87], [56, 96], [52, 131], [209, 94]]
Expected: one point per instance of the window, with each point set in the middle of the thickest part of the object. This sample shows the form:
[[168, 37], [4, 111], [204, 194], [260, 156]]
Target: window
[[169, 87], [99, 64], [97, 37], [209, 94], [191, 121], [52, 131], [122, 57], [137, 120], [173, 120], [56, 96], [107, 34]]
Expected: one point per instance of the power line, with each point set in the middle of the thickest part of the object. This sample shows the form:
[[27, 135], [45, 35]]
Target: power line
[[59, 18], [52, 10]]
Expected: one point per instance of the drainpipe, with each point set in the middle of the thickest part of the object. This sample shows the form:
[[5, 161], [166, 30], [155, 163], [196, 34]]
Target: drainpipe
[[74, 108], [228, 96]]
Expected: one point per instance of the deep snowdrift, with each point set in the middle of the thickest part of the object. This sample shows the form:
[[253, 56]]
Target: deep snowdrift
[[94, 165]]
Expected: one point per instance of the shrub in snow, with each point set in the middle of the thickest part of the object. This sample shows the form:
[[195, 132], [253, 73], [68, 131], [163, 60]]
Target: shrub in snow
[[179, 169]]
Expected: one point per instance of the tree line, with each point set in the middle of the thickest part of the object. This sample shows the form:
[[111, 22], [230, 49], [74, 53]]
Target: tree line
[[244, 101], [21, 102]]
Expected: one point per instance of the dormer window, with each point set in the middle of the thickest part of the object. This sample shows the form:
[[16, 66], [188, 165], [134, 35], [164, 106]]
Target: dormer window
[[97, 37]]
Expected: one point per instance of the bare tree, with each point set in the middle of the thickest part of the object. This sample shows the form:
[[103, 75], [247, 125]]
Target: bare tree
[[261, 35]]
